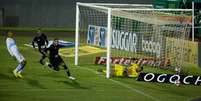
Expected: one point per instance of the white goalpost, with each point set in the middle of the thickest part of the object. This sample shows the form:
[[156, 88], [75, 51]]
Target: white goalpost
[[132, 31]]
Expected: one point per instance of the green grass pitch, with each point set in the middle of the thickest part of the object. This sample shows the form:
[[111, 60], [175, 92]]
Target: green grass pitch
[[43, 84]]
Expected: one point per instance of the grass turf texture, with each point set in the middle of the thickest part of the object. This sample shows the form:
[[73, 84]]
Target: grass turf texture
[[43, 84]]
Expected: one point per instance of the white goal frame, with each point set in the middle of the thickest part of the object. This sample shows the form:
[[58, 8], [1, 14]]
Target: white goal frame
[[109, 27]]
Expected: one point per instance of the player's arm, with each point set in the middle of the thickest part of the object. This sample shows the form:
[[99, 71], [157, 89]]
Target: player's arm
[[9, 47], [46, 40], [60, 46], [10, 51], [33, 42]]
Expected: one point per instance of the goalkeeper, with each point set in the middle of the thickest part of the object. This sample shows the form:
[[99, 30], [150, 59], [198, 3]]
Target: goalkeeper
[[132, 70], [55, 59], [42, 42]]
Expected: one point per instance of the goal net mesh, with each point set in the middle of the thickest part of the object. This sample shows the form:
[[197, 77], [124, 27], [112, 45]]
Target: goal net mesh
[[158, 37]]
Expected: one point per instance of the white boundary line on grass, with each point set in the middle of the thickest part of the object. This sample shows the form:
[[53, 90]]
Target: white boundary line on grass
[[123, 85]]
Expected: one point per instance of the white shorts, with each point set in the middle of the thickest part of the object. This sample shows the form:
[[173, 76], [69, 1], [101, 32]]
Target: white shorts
[[17, 54]]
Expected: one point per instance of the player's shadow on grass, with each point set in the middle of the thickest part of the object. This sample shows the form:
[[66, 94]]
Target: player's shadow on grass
[[34, 83], [8, 77], [74, 84], [197, 99]]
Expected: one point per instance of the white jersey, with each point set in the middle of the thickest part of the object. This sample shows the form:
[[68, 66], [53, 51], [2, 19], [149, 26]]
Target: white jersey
[[13, 50]]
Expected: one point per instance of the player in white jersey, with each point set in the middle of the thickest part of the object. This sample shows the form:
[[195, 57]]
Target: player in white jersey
[[14, 52]]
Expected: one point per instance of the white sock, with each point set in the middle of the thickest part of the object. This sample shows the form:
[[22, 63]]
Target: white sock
[[47, 63]]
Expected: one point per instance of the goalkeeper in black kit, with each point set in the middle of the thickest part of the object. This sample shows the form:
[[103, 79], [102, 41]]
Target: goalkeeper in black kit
[[55, 59], [42, 43]]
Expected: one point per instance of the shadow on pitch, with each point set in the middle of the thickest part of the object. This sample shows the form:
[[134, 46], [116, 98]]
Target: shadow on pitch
[[35, 83], [197, 99], [8, 77], [74, 84]]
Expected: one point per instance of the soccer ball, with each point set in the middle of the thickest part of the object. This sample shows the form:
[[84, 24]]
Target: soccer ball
[[177, 83]]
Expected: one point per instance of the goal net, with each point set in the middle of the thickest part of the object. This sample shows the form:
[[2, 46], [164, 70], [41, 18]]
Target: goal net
[[131, 33]]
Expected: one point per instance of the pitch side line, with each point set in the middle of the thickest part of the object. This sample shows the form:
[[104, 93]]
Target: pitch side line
[[123, 85]]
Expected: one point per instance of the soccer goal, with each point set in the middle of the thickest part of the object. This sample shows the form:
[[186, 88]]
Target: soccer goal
[[125, 33]]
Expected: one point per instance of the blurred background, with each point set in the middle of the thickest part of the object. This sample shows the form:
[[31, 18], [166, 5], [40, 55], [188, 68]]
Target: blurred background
[[45, 13], [59, 15]]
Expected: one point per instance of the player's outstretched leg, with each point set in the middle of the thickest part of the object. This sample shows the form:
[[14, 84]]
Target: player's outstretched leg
[[68, 72], [48, 65], [56, 68], [41, 60], [43, 56], [19, 69]]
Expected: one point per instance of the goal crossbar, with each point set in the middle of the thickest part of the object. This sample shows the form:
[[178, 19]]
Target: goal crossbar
[[103, 6]]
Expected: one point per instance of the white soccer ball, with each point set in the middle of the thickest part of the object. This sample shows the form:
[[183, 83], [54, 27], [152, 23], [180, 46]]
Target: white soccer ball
[[177, 83]]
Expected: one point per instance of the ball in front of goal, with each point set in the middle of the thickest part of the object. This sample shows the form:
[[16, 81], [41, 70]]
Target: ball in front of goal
[[177, 83]]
